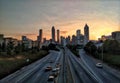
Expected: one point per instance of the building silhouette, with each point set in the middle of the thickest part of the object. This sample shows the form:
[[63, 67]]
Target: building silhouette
[[68, 40], [74, 38], [39, 37], [58, 36], [27, 42], [116, 35], [86, 34], [78, 32], [53, 34]]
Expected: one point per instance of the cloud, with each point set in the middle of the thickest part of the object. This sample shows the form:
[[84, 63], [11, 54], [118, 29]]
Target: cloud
[[63, 32], [25, 34], [29, 34]]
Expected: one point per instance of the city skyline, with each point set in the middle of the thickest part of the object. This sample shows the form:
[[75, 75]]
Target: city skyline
[[27, 17]]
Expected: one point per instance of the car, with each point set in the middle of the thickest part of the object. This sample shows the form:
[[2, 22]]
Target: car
[[48, 68], [55, 74], [51, 77], [99, 65], [58, 65], [56, 69], [51, 61]]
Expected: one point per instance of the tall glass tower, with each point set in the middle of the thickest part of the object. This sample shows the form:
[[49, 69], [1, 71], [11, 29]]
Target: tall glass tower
[[86, 33], [58, 36], [53, 34]]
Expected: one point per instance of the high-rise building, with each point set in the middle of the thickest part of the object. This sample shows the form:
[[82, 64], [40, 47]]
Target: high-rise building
[[27, 42], [58, 36], [53, 34], [81, 39], [78, 36], [63, 41], [68, 40], [40, 36], [24, 38], [44, 40], [74, 40], [1, 38], [86, 34], [78, 32], [116, 35]]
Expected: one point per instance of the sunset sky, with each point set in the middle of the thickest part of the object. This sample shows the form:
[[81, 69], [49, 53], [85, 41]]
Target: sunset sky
[[26, 17]]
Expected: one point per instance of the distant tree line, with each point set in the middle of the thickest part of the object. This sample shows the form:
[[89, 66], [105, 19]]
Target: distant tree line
[[73, 49], [109, 46], [51, 46]]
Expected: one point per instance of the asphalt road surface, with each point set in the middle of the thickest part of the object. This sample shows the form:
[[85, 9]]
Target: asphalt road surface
[[72, 70], [105, 74]]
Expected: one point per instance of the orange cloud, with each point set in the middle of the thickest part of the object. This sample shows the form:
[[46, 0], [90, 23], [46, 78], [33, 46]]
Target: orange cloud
[[63, 32]]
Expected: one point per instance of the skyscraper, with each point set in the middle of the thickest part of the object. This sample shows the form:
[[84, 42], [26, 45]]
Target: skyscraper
[[78, 36], [53, 34], [74, 40], [86, 34], [39, 38], [40, 34], [58, 36], [68, 41]]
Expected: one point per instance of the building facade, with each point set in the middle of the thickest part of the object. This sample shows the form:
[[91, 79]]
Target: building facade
[[74, 40], [86, 34], [27, 42], [39, 37], [78, 32], [116, 35], [58, 36], [53, 34]]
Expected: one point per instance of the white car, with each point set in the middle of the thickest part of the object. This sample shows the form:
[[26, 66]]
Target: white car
[[56, 69], [99, 65], [51, 77]]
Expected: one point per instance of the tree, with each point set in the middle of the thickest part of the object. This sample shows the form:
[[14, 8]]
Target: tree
[[3, 46], [111, 46], [51, 46], [10, 47], [18, 49], [91, 48], [23, 47], [45, 48]]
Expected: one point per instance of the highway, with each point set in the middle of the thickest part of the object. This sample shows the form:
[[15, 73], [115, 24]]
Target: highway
[[34, 73], [105, 74], [72, 70], [80, 75], [65, 72]]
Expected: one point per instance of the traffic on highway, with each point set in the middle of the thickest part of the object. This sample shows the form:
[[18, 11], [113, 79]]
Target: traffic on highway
[[63, 67]]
